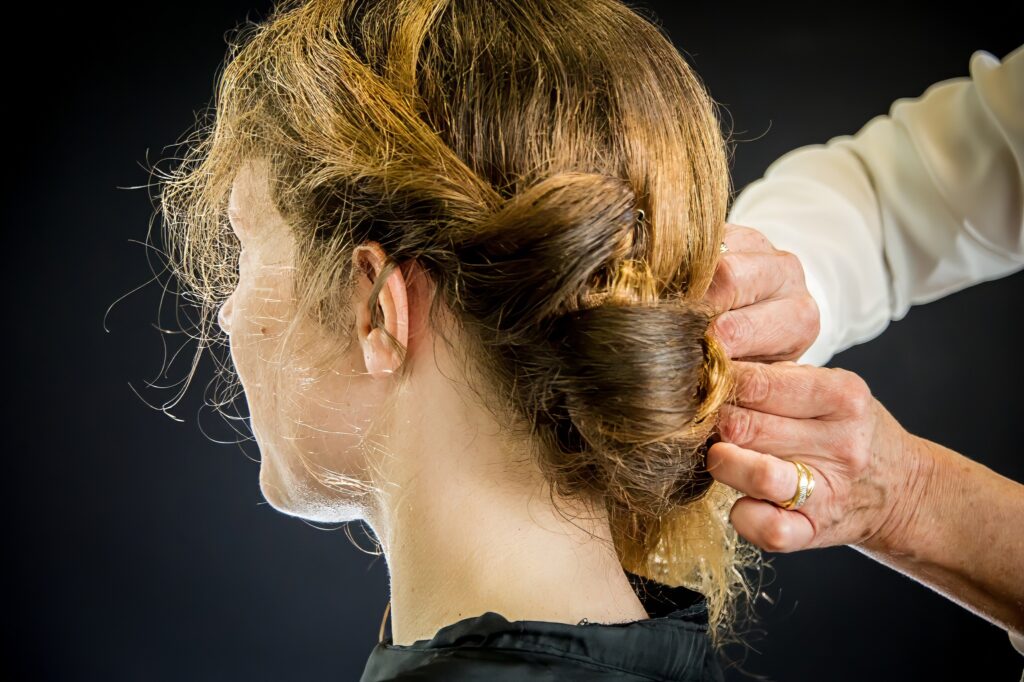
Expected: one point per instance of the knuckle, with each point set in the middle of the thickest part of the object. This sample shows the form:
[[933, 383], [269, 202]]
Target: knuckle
[[792, 346], [726, 275], [859, 459], [758, 237], [839, 385], [726, 331], [846, 447], [854, 393], [740, 229], [856, 453], [733, 328], [792, 266], [777, 535], [792, 263], [724, 328], [736, 427], [810, 315], [767, 479], [756, 385]]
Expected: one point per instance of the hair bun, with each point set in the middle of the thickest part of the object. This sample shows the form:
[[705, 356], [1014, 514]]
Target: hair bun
[[621, 382], [638, 384]]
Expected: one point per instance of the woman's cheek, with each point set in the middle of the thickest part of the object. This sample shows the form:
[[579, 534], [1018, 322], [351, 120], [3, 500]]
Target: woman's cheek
[[261, 311]]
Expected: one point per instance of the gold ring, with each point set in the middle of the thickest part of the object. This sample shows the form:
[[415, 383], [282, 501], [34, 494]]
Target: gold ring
[[804, 487], [722, 248]]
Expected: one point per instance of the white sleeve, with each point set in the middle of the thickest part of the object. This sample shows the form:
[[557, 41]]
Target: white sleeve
[[919, 203], [1018, 642]]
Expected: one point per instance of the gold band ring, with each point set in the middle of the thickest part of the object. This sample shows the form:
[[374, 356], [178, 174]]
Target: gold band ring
[[804, 487]]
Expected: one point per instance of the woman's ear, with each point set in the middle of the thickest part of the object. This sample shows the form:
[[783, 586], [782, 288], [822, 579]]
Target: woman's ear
[[369, 259]]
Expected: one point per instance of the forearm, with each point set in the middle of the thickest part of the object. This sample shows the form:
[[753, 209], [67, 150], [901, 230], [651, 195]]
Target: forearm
[[960, 534]]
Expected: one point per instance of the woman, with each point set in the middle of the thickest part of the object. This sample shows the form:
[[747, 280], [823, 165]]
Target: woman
[[472, 241]]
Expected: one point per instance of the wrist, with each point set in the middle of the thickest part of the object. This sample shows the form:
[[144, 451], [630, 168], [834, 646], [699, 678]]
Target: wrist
[[914, 474]]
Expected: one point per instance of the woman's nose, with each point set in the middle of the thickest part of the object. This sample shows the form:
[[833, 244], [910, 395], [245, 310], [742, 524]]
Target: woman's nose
[[224, 316]]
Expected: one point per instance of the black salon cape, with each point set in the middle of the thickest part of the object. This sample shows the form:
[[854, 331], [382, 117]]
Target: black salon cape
[[672, 645]]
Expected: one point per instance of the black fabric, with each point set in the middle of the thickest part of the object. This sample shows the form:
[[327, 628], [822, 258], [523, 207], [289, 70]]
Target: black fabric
[[672, 645]]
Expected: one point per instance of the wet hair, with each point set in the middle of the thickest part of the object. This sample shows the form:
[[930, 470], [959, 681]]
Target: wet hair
[[559, 172]]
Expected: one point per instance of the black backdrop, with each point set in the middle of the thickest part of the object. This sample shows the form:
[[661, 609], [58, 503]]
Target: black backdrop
[[140, 550]]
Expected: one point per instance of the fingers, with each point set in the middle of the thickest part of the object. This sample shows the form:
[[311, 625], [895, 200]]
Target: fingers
[[763, 479], [744, 277], [771, 433], [755, 474], [800, 391], [780, 329], [771, 528], [760, 298]]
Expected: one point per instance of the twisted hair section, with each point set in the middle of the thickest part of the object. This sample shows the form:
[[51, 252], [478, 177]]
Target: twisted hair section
[[507, 147]]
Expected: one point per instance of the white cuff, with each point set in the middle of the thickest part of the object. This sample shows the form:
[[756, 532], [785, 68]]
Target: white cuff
[[1018, 642]]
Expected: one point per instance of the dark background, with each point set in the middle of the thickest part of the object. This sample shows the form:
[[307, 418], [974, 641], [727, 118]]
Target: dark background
[[140, 550]]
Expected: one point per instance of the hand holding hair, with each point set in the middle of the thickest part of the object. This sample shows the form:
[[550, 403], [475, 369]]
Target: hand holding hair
[[909, 503], [766, 311]]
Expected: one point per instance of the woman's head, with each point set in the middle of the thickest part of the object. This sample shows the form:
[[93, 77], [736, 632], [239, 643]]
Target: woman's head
[[540, 186]]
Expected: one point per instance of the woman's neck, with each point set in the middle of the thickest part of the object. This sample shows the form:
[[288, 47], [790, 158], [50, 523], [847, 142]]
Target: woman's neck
[[464, 534], [461, 540], [468, 528]]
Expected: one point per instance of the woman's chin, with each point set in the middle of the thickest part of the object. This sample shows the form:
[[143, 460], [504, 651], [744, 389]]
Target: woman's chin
[[305, 499], [273, 491]]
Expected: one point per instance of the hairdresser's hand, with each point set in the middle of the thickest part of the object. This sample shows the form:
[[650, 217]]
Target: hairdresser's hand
[[865, 465], [766, 312], [920, 508]]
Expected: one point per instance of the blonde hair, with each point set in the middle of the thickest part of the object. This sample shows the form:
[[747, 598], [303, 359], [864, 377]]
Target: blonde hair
[[559, 171]]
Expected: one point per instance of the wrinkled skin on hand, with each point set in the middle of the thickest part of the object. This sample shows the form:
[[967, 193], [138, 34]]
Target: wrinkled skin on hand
[[865, 472], [764, 309], [859, 455]]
